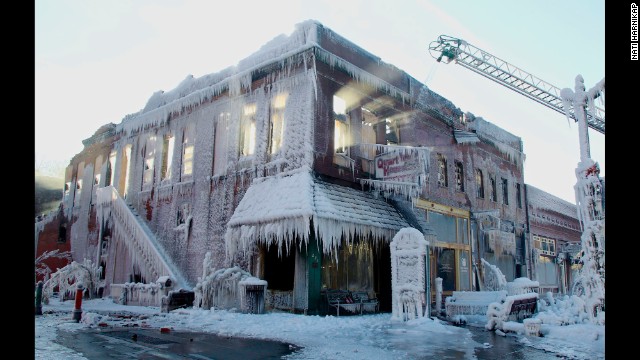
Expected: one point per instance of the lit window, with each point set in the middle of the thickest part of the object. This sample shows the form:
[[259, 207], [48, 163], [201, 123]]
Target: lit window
[[248, 130], [459, 176], [167, 156], [341, 123], [442, 171], [276, 123], [187, 150], [220, 145], [479, 184]]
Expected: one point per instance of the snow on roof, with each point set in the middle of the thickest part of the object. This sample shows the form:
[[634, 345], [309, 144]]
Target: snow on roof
[[542, 200], [279, 208], [465, 137]]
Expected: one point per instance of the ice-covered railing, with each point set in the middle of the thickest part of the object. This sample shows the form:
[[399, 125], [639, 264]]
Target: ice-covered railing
[[138, 239]]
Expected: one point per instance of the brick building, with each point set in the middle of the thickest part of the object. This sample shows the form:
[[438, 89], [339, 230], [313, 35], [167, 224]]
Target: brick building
[[299, 165]]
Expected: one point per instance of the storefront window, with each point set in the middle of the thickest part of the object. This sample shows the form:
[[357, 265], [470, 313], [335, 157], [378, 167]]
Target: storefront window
[[444, 226], [353, 270]]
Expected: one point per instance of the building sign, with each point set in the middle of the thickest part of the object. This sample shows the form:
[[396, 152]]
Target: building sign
[[400, 166]]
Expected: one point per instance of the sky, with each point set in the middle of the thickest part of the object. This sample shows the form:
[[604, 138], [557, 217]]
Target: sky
[[361, 337], [97, 61]]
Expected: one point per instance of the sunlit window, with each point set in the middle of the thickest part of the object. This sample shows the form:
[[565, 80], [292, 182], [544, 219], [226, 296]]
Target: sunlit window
[[545, 245], [167, 156], [187, 150], [220, 154], [147, 176], [276, 122], [248, 130], [341, 123]]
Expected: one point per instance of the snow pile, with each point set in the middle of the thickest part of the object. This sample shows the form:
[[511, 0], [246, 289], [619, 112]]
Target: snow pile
[[65, 280], [566, 310], [408, 250]]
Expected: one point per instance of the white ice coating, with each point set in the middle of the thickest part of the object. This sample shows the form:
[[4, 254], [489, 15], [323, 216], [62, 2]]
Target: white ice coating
[[408, 274], [541, 200], [221, 288], [66, 279], [279, 210], [138, 240], [494, 279], [410, 186], [590, 282], [507, 144], [498, 313]]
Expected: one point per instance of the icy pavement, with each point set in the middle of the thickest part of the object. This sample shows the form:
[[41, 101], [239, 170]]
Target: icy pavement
[[330, 337]]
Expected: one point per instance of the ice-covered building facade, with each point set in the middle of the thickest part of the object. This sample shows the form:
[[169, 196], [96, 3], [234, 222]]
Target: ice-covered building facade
[[555, 240], [299, 165]]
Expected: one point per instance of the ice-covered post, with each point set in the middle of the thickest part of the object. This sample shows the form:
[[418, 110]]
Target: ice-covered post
[[39, 298], [590, 283], [438, 295], [408, 251], [77, 310]]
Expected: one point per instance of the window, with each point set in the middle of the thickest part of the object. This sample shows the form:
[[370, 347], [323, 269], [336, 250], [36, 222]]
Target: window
[[221, 146], [96, 180], [459, 176], [168, 143], [494, 191], [110, 166], [505, 191], [442, 171], [545, 245], [184, 211], [518, 196], [276, 123], [392, 132], [187, 150], [341, 131], [67, 186], [149, 152], [479, 184], [248, 130]]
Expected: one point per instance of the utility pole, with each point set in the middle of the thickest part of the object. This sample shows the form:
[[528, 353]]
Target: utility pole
[[590, 284]]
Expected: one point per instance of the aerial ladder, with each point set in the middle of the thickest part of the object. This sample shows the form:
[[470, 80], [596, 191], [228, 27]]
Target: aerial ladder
[[581, 105], [449, 49]]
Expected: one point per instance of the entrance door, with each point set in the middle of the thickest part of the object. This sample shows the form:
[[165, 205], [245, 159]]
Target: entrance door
[[446, 269]]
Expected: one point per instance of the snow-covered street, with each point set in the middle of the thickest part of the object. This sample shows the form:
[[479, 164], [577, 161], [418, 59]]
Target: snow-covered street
[[352, 337]]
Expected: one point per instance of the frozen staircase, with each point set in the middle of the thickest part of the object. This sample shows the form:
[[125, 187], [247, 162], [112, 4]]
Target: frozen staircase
[[140, 242]]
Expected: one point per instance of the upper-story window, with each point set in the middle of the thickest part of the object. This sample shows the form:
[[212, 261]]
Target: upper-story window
[[494, 190], [276, 122], [221, 144], [545, 245], [459, 176], [505, 191], [248, 130], [442, 171], [188, 144], [479, 184], [149, 158], [341, 122], [392, 133], [168, 143], [518, 196]]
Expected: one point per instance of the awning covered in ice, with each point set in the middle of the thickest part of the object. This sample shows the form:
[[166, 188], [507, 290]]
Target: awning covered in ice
[[279, 209], [465, 137]]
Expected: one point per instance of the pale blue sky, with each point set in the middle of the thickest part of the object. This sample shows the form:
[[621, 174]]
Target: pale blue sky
[[97, 61]]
